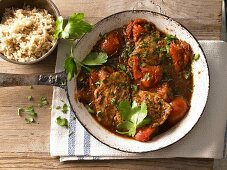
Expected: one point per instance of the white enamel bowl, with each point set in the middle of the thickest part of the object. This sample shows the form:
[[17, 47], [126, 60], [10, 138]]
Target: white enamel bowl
[[199, 97]]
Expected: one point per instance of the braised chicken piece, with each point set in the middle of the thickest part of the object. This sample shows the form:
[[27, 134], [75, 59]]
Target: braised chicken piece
[[165, 92], [181, 54], [111, 44], [137, 28], [145, 50], [113, 89], [158, 109]]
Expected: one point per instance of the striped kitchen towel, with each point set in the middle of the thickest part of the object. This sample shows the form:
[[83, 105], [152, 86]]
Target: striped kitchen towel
[[206, 140]]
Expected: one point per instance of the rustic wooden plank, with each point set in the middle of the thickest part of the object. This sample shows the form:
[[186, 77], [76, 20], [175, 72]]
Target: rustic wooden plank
[[43, 161], [220, 164], [15, 134], [202, 18]]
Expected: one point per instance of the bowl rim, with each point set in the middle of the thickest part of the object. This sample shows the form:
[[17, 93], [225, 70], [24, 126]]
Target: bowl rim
[[53, 5], [208, 85]]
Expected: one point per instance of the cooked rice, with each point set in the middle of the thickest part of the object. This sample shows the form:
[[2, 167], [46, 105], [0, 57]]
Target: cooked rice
[[26, 34]]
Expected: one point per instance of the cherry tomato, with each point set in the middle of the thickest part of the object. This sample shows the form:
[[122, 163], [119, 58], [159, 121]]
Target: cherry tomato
[[180, 108], [111, 43], [145, 134], [154, 71]]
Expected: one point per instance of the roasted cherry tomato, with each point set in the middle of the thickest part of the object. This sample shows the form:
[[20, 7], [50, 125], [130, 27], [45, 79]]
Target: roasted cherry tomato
[[111, 44], [180, 108], [145, 134], [155, 73]]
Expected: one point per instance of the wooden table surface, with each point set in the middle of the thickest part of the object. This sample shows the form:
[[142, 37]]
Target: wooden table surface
[[26, 146]]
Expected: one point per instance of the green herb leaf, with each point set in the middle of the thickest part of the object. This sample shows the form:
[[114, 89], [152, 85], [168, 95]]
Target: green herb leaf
[[19, 111], [143, 64], [99, 113], [58, 107], [29, 119], [30, 98], [75, 27], [30, 111], [101, 35], [129, 127], [62, 121], [196, 57], [122, 67], [134, 116], [95, 58], [98, 83], [58, 27], [187, 74], [43, 102], [170, 38], [146, 121], [134, 87], [139, 113], [70, 67], [125, 109], [146, 54], [89, 109], [64, 108], [191, 89], [129, 50], [144, 44]]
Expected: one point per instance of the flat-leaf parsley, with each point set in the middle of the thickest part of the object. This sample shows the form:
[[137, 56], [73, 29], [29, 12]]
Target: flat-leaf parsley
[[134, 116]]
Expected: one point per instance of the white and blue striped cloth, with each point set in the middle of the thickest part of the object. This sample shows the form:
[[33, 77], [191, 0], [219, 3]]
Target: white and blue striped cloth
[[206, 140]]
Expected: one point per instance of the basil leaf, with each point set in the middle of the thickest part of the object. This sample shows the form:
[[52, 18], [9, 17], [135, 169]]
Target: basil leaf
[[196, 57]]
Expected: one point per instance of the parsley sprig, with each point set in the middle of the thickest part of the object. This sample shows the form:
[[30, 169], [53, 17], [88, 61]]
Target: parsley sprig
[[134, 117], [74, 29]]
